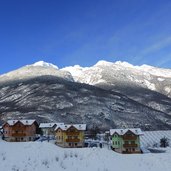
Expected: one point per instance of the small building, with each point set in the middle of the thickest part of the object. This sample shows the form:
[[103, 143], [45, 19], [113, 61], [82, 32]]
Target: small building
[[48, 129], [126, 140], [71, 136], [20, 130], [1, 130]]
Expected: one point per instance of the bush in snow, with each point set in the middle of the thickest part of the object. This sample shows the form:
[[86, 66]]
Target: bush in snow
[[65, 155], [46, 163], [57, 158], [76, 155], [164, 142], [3, 156]]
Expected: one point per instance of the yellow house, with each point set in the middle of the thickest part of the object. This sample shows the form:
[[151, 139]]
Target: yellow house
[[70, 135]]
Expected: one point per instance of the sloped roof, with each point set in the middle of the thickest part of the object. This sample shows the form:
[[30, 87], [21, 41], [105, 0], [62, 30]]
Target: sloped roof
[[49, 125], [136, 131], [24, 122], [80, 127]]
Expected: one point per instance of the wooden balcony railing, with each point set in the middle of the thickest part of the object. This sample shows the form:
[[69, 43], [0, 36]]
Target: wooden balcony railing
[[130, 145], [126, 137], [72, 133], [73, 140], [18, 134]]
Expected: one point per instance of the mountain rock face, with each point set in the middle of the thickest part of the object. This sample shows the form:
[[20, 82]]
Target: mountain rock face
[[37, 69], [49, 98], [106, 95], [156, 79], [146, 84]]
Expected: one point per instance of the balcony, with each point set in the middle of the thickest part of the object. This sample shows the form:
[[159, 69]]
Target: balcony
[[73, 140], [130, 145], [18, 134], [127, 137], [72, 133]]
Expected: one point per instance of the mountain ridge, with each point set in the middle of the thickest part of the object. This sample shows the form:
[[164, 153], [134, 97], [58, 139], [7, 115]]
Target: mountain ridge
[[99, 95]]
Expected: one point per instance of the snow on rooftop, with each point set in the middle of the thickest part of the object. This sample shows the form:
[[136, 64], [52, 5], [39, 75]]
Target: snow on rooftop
[[49, 125], [24, 122], [46, 125], [80, 127], [136, 131]]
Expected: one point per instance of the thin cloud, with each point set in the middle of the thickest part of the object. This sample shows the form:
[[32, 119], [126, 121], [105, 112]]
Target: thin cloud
[[164, 61], [153, 48], [157, 46]]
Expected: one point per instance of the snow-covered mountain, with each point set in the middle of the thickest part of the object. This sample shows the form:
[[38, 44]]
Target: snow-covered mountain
[[103, 72], [104, 95], [141, 83], [40, 68]]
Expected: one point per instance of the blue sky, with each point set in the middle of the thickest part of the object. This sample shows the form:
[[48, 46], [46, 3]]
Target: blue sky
[[69, 32]]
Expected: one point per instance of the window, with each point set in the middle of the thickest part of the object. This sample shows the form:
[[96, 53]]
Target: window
[[69, 144], [133, 149], [116, 142], [126, 142], [132, 142], [75, 144]]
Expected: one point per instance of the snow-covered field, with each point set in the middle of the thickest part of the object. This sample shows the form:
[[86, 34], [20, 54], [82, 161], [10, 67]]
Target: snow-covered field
[[43, 156], [151, 138]]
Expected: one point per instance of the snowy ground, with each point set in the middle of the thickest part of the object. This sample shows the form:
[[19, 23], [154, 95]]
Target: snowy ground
[[37, 156], [151, 138]]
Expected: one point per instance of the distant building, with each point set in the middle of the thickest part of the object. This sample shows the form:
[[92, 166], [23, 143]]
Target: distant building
[[1, 130], [126, 140], [48, 129], [71, 136], [20, 130]]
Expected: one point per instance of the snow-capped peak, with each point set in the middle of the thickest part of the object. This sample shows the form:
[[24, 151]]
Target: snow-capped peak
[[123, 63], [44, 64], [103, 63]]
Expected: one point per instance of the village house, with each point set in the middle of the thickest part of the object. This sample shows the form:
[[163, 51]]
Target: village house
[[48, 129], [71, 136], [20, 130], [126, 140]]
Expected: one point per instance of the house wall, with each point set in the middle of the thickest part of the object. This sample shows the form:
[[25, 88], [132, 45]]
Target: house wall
[[118, 144], [70, 139], [60, 136], [48, 131], [117, 141], [132, 149], [19, 132]]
